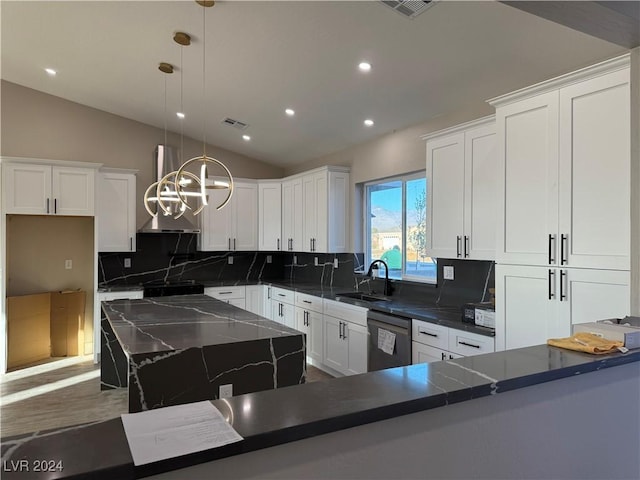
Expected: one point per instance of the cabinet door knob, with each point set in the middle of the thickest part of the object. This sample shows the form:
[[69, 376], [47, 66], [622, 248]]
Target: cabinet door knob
[[551, 288], [458, 245], [47, 205], [466, 246]]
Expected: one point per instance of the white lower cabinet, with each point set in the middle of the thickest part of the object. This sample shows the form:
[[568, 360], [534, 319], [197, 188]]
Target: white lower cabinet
[[534, 303], [433, 343], [311, 324], [283, 313], [232, 295], [255, 298], [345, 337]]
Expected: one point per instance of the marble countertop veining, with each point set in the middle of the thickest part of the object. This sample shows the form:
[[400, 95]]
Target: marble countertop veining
[[446, 315], [293, 413], [176, 322]]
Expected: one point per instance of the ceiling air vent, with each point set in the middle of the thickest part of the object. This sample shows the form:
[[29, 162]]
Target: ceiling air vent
[[409, 8], [235, 123]]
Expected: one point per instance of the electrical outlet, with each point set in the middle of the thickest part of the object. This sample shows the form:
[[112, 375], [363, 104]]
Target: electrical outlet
[[68, 264], [230, 259], [315, 261], [335, 262], [295, 260], [269, 259], [127, 263], [447, 272], [226, 391]]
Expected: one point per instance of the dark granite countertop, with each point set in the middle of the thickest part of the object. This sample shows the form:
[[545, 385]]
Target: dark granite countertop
[[176, 322], [121, 288], [292, 413], [448, 316]]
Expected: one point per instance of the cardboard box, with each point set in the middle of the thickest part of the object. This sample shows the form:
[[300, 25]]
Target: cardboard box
[[67, 323], [28, 329], [630, 336]]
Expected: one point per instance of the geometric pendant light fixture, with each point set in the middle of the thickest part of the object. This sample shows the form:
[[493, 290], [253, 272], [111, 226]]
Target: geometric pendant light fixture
[[202, 162]]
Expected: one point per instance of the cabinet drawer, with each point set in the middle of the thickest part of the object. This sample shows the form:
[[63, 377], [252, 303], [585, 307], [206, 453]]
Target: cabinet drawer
[[125, 295], [309, 302], [283, 295], [467, 344], [225, 293], [430, 334], [344, 311]]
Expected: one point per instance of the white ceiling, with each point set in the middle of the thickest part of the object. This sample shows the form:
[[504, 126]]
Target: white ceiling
[[265, 56]]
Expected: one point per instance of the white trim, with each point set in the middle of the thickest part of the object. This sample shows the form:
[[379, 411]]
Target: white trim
[[53, 163], [479, 122], [608, 66], [124, 171]]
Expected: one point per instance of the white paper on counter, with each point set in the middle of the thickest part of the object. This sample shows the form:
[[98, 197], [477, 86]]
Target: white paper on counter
[[178, 430], [386, 341]]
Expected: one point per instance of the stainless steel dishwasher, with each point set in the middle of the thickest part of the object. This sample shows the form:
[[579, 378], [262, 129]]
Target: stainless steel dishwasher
[[380, 325]]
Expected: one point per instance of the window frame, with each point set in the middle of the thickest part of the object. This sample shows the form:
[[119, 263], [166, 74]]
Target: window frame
[[404, 178]]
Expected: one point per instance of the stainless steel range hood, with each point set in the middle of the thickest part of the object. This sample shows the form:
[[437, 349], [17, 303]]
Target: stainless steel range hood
[[165, 161]]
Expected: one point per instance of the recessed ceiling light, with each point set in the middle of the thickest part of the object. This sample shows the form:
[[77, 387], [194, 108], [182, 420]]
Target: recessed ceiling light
[[290, 112], [246, 138], [180, 115], [364, 66], [51, 72], [368, 122]]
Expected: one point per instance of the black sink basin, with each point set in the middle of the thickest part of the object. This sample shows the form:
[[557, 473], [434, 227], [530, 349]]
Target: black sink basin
[[361, 296]]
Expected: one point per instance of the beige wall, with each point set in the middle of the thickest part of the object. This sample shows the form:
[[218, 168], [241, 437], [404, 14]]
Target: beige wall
[[392, 154], [37, 247], [396, 153], [38, 125]]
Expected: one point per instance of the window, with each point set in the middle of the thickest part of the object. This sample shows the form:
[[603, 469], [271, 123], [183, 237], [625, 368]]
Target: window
[[396, 231]]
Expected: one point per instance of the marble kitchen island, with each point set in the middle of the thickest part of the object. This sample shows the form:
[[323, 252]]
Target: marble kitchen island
[[181, 349]]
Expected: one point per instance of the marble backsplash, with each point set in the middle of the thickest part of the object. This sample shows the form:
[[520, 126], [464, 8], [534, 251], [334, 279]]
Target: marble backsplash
[[174, 257]]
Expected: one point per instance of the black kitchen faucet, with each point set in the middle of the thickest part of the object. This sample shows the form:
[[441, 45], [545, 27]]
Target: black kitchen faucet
[[388, 289]]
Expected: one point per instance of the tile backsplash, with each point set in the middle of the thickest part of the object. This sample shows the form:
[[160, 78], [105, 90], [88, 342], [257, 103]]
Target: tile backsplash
[[174, 257]]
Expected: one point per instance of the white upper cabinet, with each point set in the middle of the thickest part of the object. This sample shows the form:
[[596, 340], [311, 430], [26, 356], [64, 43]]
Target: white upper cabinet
[[564, 166], [235, 226], [315, 211], [292, 215], [461, 180], [40, 189], [116, 211], [270, 216], [594, 172], [527, 180], [314, 200]]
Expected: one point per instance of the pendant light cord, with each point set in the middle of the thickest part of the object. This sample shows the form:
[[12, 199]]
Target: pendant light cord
[[204, 73], [181, 109]]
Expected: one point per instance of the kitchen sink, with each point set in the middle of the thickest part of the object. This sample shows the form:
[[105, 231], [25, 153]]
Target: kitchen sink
[[362, 296]]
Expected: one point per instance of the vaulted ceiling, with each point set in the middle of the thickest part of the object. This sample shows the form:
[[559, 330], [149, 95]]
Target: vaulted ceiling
[[264, 57]]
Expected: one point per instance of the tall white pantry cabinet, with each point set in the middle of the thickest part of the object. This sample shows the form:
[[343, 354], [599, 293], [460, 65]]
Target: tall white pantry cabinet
[[563, 238]]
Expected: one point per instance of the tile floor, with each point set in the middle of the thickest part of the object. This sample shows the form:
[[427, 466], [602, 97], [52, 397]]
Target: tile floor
[[63, 392]]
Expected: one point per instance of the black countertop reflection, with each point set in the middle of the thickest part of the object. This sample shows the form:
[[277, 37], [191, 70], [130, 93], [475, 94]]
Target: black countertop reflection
[[273, 417]]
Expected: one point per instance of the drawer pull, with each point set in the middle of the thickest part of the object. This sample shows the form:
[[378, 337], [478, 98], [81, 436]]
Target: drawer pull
[[469, 344], [427, 333], [281, 295], [225, 293], [307, 301]]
